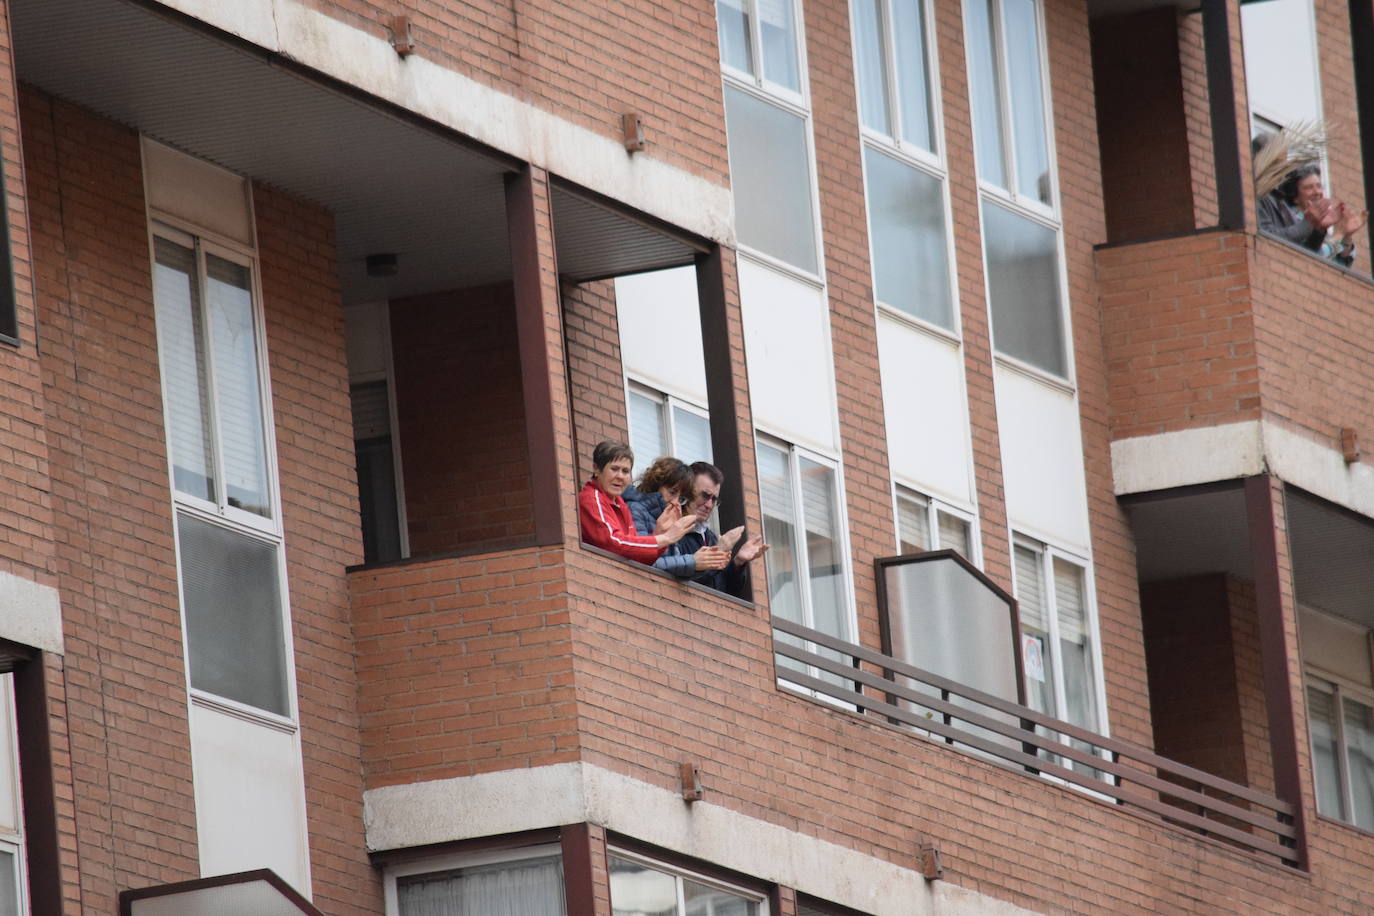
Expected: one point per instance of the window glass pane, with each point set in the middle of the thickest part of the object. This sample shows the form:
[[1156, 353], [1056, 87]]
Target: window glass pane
[[181, 344], [238, 387], [648, 438], [702, 900], [1023, 288], [735, 48], [1027, 99], [779, 39], [908, 26], [955, 534], [638, 890], [873, 101], [770, 174], [823, 556], [1321, 724], [913, 524], [779, 532], [692, 436], [906, 219], [9, 884], [233, 614], [1076, 649], [1359, 755], [529, 887], [984, 94], [1036, 653]]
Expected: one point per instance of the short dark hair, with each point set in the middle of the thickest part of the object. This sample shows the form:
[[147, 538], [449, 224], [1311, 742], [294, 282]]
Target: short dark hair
[[666, 472], [710, 470], [609, 450], [1289, 188]]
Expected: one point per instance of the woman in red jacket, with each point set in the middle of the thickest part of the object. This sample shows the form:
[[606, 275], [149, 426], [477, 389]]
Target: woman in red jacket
[[606, 521]]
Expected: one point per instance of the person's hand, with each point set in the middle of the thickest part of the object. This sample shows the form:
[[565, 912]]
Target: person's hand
[[1323, 213], [675, 530], [670, 515], [751, 551], [711, 558], [1351, 221], [728, 539]]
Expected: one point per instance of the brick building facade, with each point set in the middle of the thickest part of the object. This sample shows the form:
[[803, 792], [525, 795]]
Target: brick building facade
[[319, 308]]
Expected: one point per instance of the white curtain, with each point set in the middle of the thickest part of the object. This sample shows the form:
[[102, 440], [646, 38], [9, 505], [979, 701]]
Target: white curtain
[[529, 887]]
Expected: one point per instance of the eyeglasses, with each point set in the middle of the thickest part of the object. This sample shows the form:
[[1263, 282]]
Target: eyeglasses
[[708, 497]]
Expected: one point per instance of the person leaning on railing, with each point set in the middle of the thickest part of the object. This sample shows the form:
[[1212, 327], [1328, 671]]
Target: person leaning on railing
[[604, 517], [1299, 211]]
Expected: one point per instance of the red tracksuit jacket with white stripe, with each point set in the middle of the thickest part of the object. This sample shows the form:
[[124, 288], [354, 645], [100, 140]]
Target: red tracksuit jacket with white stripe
[[606, 523]]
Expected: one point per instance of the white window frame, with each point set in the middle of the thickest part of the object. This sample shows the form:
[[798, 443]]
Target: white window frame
[[13, 841], [761, 899], [1048, 553], [794, 455], [1024, 205], [934, 506], [929, 162], [453, 860], [794, 103], [267, 530], [667, 403], [1338, 688]]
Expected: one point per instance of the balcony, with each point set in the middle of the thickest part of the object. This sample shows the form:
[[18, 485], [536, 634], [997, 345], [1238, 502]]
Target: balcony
[[1016, 736]]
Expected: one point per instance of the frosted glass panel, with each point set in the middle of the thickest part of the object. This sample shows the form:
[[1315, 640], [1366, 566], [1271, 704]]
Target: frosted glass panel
[[946, 621], [238, 388], [181, 343], [1023, 288], [530, 887], [770, 173], [233, 615], [906, 218], [873, 101]]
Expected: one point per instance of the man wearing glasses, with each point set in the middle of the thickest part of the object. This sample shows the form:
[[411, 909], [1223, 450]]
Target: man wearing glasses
[[733, 579]]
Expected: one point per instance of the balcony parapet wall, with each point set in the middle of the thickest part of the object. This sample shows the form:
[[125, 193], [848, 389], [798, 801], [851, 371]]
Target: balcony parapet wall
[[464, 665]]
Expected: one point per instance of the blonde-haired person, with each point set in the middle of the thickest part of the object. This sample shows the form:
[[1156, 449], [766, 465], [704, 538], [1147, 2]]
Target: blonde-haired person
[[658, 502], [604, 517]]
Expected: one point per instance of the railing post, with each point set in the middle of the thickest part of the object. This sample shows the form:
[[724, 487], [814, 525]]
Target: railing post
[[1278, 694]]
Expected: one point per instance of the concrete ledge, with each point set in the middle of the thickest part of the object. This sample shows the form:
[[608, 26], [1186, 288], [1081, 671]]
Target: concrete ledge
[[502, 121], [567, 793], [30, 614], [1146, 463]]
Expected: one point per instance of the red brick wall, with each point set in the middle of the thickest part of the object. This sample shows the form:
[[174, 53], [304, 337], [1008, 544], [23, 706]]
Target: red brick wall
[[596, 378], [314, 434], [1197, 108], [1137, 76], [125, 688], [1179, 331], [464, 666], [461, 417]]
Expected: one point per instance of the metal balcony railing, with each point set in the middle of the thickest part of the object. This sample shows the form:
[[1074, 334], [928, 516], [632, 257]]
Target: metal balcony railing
[[878, 685]]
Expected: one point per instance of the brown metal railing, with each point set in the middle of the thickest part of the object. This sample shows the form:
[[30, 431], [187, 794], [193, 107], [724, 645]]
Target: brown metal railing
[[1125, 773]]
